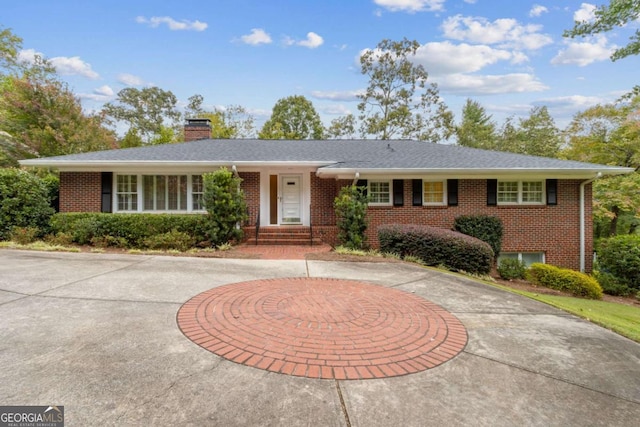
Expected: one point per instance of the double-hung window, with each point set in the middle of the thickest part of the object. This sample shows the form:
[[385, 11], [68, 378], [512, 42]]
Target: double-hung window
[[127, 190], [433, 193], [159, 193], [197, 193], [520, 192], [379, 192]]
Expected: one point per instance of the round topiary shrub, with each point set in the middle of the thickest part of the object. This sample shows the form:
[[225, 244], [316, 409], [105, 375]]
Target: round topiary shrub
[[562, 279], [437, 246], [24, 202]]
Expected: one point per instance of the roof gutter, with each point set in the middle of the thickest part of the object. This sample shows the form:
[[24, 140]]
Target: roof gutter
[[583, 184]]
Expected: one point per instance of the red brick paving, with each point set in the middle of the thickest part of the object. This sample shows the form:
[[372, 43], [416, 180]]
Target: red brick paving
[[322, 328], [281, 251]]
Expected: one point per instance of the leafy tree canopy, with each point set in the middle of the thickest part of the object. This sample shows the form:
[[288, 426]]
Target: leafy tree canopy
[[293, 117]]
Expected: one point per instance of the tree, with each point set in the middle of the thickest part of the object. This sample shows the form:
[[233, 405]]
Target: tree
[[10, 45], [231, 122], [536, 135], [225, 204], [618, 13], [42, 117], [146, 110], [293, 117], [398, 102], [476, 128], [342, 127], [351, 212], [610, 134]]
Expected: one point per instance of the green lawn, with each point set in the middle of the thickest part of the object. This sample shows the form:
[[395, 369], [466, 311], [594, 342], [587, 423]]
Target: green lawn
[[620, 318]]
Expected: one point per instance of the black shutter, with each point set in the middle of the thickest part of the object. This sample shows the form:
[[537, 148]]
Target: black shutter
[[492, 192], [452, 192], [362, 183], [398, 192], [107, 186], [552, 192], [417, 192]]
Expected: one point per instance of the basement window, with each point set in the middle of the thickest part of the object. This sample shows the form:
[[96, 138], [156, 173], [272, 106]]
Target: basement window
[[527, 257]]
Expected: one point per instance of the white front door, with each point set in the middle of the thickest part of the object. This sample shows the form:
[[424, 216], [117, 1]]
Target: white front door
[[290, 190]]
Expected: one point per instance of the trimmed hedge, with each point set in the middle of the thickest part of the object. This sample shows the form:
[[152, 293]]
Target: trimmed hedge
[[437, 246], [620, 257], [484, 227], [562, 279], [134, 229]]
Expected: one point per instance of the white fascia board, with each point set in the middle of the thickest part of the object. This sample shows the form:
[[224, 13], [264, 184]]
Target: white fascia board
[[116, 166], [472, 173]]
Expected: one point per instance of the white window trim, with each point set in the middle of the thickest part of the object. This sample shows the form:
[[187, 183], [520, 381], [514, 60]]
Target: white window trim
[[520, 202], [444, 193], [140, 194], [388, 181], [519, 254]]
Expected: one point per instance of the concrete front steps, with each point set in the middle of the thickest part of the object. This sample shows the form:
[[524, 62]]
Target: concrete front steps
[[284, 235]]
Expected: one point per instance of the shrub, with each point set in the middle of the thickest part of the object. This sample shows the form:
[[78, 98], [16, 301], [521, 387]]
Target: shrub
[[128, 230], [225, 205], [578, 284], [611, 284], [24, 235], [511, 268], [351, 212], [483, 227], [173, 239], [60, 239], [620, 256], [24, 202], [436, 246]]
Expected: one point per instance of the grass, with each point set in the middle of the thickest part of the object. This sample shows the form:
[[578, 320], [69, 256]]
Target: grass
[[38, 246]]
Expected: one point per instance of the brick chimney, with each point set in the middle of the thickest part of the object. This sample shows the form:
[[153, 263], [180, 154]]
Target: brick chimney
[[197, 129]]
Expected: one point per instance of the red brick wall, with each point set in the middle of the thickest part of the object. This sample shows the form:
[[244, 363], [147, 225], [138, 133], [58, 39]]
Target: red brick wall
[[251, 188], [80, 191], [554, 230], [193, 133]]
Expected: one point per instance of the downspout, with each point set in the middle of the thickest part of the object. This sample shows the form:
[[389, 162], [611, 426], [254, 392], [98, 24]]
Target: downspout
[[355, 178], [583, 221]]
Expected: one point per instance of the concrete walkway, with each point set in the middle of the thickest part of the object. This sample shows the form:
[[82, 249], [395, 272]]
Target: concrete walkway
[[98, 334]]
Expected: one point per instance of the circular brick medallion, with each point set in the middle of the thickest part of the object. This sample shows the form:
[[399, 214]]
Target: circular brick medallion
[[322, 328]]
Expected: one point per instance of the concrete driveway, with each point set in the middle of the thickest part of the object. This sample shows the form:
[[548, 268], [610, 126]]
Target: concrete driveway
[[98, 334]]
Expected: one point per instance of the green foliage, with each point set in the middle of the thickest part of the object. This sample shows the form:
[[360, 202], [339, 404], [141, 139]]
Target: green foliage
[[343, 127], [484, 227], [620, 257], [225, 204], [562, 279], [24, 235], [618, 13], [293, 117], [476, 128], [146, 110], [173, 239], [24, 202], [60, 239], [611, 284], [398, 102], [536, 135], [44, 118], [511, 268], [131, 139], [128, 230], [436, 246], [351, 212]]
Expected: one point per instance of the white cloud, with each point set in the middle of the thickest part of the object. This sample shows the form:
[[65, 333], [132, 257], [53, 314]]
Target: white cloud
[[411, 6], [104, 91], [336, 110], [130, 79], [66, 66], [257, 36], [505, 32], [445, 57], [345, 96], [537, 10], [584, 53], [573, 102], [585, 13], [312, 41], [172, 24], [490, 84]]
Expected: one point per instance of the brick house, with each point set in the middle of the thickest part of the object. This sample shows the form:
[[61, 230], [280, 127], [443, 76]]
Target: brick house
[[544, 204]]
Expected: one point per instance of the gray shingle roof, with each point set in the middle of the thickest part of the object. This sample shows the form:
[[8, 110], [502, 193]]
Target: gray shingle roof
[[329, 155]]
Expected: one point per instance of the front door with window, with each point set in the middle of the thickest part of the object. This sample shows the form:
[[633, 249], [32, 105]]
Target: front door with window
[[290, 190]]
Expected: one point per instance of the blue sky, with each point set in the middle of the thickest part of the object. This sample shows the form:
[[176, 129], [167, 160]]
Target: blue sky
[[507, 55]]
